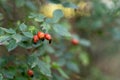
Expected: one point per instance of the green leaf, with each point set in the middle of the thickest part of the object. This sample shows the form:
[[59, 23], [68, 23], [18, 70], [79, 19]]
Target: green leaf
[[9, 74], [69, 4], [61, 30], [37, 17], [24, 38], [63, 73], [40, 18], [33, 60], [1, 77], [28, 34], [57, 77], [55, 65], [17, 37], [44, 68], [50, 49], [31, 5], [58, 13], [10, 31], [4, 38], [1, 32], [32, 15], [5, 43], [26, 45], [50, 20], [47, 59], [84, 57], [85, 42], [23, 27], [12, 45], [46, 26], [73, 66]]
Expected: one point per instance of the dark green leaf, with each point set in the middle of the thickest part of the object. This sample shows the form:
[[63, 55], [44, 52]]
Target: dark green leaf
[[17, 37], [40, 18], [1, 32], [73, 66], [63, 73], [44, 68], [31, 5], [12, 45], [33, 60], [61, 30], [32, 15], [58, 13], [9, 74], [28, 34], [26, 45], [69, 4], [57, 77], [50, 49], [50, 20], [23, 27], [4, 38], [10, 31], [85, 42], [46, 26]]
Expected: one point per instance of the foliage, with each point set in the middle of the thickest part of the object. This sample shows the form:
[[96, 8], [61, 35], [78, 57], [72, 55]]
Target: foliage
[[60, 60]]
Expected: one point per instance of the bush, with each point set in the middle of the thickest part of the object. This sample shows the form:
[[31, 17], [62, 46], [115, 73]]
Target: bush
[[58, 53]]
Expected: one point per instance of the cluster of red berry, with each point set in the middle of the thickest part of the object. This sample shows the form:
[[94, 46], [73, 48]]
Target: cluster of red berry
[[42, 36]]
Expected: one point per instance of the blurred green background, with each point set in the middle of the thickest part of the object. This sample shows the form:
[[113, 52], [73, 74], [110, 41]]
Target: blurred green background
[[95, 23]]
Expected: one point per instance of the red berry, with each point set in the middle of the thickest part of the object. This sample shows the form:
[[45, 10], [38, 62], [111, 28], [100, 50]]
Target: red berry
[[75, 41], [30, 73], [40, 35], [48, 37], [35, 38]]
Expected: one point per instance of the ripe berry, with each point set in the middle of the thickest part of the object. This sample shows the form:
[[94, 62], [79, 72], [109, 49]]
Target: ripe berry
[[35, 38], [75, 41], [48, 36], [30, 73], [40, 35]]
